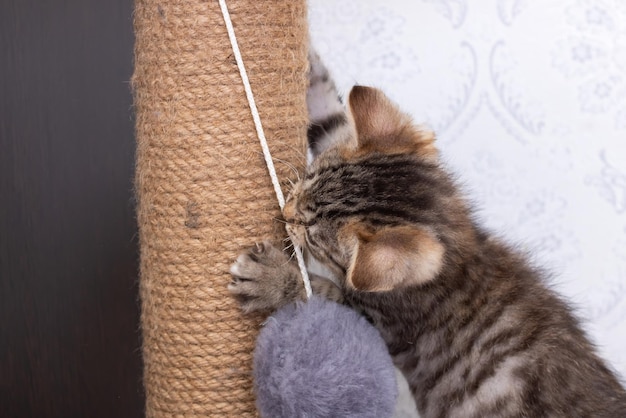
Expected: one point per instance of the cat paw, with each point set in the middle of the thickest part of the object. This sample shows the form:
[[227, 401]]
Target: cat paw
[[264, 278]]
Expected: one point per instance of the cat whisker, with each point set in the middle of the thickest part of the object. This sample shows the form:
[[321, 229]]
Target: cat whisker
[[292, 188], [290, 248], [283, 221], [290, 166], [298, 152]]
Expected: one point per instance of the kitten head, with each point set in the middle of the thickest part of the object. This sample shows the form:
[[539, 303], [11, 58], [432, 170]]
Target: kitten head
[[371, 207]]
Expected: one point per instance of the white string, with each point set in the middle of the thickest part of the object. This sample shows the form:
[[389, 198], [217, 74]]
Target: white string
[[261, 135]]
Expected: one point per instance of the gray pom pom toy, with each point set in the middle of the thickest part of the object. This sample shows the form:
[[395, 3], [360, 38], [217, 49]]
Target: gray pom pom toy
[[322, 359]]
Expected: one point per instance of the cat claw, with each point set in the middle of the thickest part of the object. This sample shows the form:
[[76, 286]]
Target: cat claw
[[260, 275]]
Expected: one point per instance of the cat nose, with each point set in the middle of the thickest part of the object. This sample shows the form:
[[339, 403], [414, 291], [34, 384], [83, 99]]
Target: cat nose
[[289, 211]]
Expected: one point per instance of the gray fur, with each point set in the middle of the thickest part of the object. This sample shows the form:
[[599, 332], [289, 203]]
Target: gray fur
[[321, 359]]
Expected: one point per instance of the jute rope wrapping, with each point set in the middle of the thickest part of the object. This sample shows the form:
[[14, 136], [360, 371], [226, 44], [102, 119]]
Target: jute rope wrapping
[[203, 188]]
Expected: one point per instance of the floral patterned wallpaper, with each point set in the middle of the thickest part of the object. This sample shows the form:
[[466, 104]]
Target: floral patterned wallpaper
[[528, 100]]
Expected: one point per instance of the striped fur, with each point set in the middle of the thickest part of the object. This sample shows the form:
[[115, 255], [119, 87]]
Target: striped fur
[[482, 335], [327, 118]]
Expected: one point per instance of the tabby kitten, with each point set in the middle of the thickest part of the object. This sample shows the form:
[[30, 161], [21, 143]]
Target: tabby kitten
[[467, 320]]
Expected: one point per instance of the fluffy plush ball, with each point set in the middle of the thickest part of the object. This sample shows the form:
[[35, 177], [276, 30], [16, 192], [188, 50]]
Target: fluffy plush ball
[[322, 359]]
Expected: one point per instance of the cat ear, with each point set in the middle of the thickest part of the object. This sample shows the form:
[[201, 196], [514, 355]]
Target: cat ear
[[381, 126], [392, 257]]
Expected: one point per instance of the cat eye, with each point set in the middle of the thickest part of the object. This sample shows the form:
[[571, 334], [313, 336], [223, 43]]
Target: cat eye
[[297, 222]]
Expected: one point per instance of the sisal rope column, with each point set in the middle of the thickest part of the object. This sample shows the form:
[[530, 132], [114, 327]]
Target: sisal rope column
[[203, 188]]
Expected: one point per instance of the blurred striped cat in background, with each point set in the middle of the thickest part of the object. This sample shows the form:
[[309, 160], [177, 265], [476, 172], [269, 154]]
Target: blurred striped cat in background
[[467, 319]]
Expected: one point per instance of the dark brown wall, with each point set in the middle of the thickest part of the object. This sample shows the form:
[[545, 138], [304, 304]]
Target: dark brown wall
[[69, 321]]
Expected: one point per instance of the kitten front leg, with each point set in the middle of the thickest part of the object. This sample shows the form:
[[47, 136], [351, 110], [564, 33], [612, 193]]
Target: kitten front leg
[[328, 123], [265, 278], [322, 98]]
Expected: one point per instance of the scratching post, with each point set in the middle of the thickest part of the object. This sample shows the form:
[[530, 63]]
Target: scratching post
[[203, 188]]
